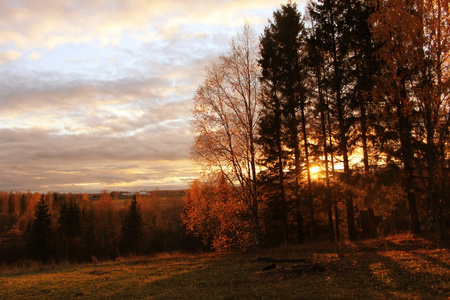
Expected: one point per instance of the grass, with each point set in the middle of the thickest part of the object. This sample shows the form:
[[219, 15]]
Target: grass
[[401, 267]]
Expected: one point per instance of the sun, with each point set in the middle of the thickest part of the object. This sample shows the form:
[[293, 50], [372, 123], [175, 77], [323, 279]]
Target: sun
[[314, 169]]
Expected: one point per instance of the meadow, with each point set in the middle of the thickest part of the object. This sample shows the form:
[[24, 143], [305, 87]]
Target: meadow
[[397, 267]]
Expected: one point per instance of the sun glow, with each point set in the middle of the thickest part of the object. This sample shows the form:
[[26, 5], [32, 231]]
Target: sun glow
[[314, 169]]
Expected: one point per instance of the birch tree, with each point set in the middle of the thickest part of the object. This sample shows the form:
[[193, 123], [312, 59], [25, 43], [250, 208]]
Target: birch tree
[[225, 115]]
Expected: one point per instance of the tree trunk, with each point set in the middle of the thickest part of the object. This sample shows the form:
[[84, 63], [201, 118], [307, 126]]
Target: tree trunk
[[308, 172], [336, 208], [294, 132], [328, 199], [407, 157], [281, 181]]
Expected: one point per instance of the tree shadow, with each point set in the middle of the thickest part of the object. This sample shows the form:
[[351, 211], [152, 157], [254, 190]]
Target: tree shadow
[[359, 270], [399, 272]]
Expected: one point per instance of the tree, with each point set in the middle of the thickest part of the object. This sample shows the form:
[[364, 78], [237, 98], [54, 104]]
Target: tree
[[12, 203], [333, 23], [414, 88], [283, 77], [40, 238], [214, 212], [69, 226], [317, 71], [225, 115], [132, 228], [430, 88], [106, 231]]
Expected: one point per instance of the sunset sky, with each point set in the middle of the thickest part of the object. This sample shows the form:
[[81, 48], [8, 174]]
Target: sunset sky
[[97, 94]]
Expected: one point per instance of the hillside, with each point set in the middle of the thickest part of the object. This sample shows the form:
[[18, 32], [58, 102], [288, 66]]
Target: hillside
[[400, 267]]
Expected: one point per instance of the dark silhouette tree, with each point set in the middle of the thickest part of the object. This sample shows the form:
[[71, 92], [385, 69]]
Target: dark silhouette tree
[[132, 228], [334, 23], [69, 227], [23, 204], [392, 86], [271, 136], [317, 91], [12, 203], [40, 236], [284, 70]]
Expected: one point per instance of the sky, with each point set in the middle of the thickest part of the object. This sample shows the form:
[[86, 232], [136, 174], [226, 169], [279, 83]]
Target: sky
[[97, 94]]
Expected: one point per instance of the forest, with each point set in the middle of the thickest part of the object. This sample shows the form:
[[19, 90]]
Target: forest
[[332, 125], [66, 227]]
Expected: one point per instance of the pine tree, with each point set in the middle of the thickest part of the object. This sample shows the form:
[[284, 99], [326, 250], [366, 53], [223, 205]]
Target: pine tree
[[39, 241], [132, 228], [271, 133], [334, 24], [283, 76], [70, 229]]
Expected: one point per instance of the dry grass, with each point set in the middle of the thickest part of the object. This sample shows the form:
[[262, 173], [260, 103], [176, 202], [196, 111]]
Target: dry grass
[[401, 267]]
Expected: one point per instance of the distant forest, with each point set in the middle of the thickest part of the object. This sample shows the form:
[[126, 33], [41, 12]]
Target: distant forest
[[331, 125], [56, 227]]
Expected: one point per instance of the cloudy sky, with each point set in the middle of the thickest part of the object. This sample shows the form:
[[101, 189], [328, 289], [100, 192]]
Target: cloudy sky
[[97, 94]]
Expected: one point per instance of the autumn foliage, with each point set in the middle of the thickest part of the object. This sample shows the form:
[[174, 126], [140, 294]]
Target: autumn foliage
[[214, 212]]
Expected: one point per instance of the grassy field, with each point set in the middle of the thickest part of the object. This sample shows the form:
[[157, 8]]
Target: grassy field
[[400, 267]]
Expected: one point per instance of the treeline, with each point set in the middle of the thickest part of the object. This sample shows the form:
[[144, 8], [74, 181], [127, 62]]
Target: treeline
[[330, 125], [81, 227]]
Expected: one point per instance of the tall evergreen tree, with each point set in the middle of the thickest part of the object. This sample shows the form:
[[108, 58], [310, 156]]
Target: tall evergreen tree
[[12, 203], [283, 77], [70, 230], [39, 242], [23, 204], [364, 71], [132, 228], [333, 22], [317, 71]]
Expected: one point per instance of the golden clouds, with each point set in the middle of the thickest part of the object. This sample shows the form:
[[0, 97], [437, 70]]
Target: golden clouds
[[9, 56], [46, 24]]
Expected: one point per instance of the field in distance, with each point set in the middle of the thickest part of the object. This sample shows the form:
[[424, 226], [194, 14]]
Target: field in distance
[[399, 267]]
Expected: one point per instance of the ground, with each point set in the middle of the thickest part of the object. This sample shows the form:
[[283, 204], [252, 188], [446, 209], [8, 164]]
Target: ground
[[400, 267]]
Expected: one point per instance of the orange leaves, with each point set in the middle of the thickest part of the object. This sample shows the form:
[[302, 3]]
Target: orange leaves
[[214, 212]]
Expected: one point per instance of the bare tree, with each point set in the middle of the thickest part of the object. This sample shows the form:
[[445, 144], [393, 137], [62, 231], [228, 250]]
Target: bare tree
[[225, 115]]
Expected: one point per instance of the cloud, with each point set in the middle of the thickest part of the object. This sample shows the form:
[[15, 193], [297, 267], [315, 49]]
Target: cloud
[[35, 55], [40, 159], [50, 23], [9, 56], [99, 92]]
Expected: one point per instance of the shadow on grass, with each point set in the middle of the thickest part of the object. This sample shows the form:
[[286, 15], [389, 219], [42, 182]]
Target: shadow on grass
[[357, 272], [377, 269], [383, 269]]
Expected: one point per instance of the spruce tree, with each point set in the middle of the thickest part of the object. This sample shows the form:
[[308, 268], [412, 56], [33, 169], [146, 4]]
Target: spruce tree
[[70, 228], [39, 241], [271, 133], [283, 74], [334, 24], [132, 228]]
